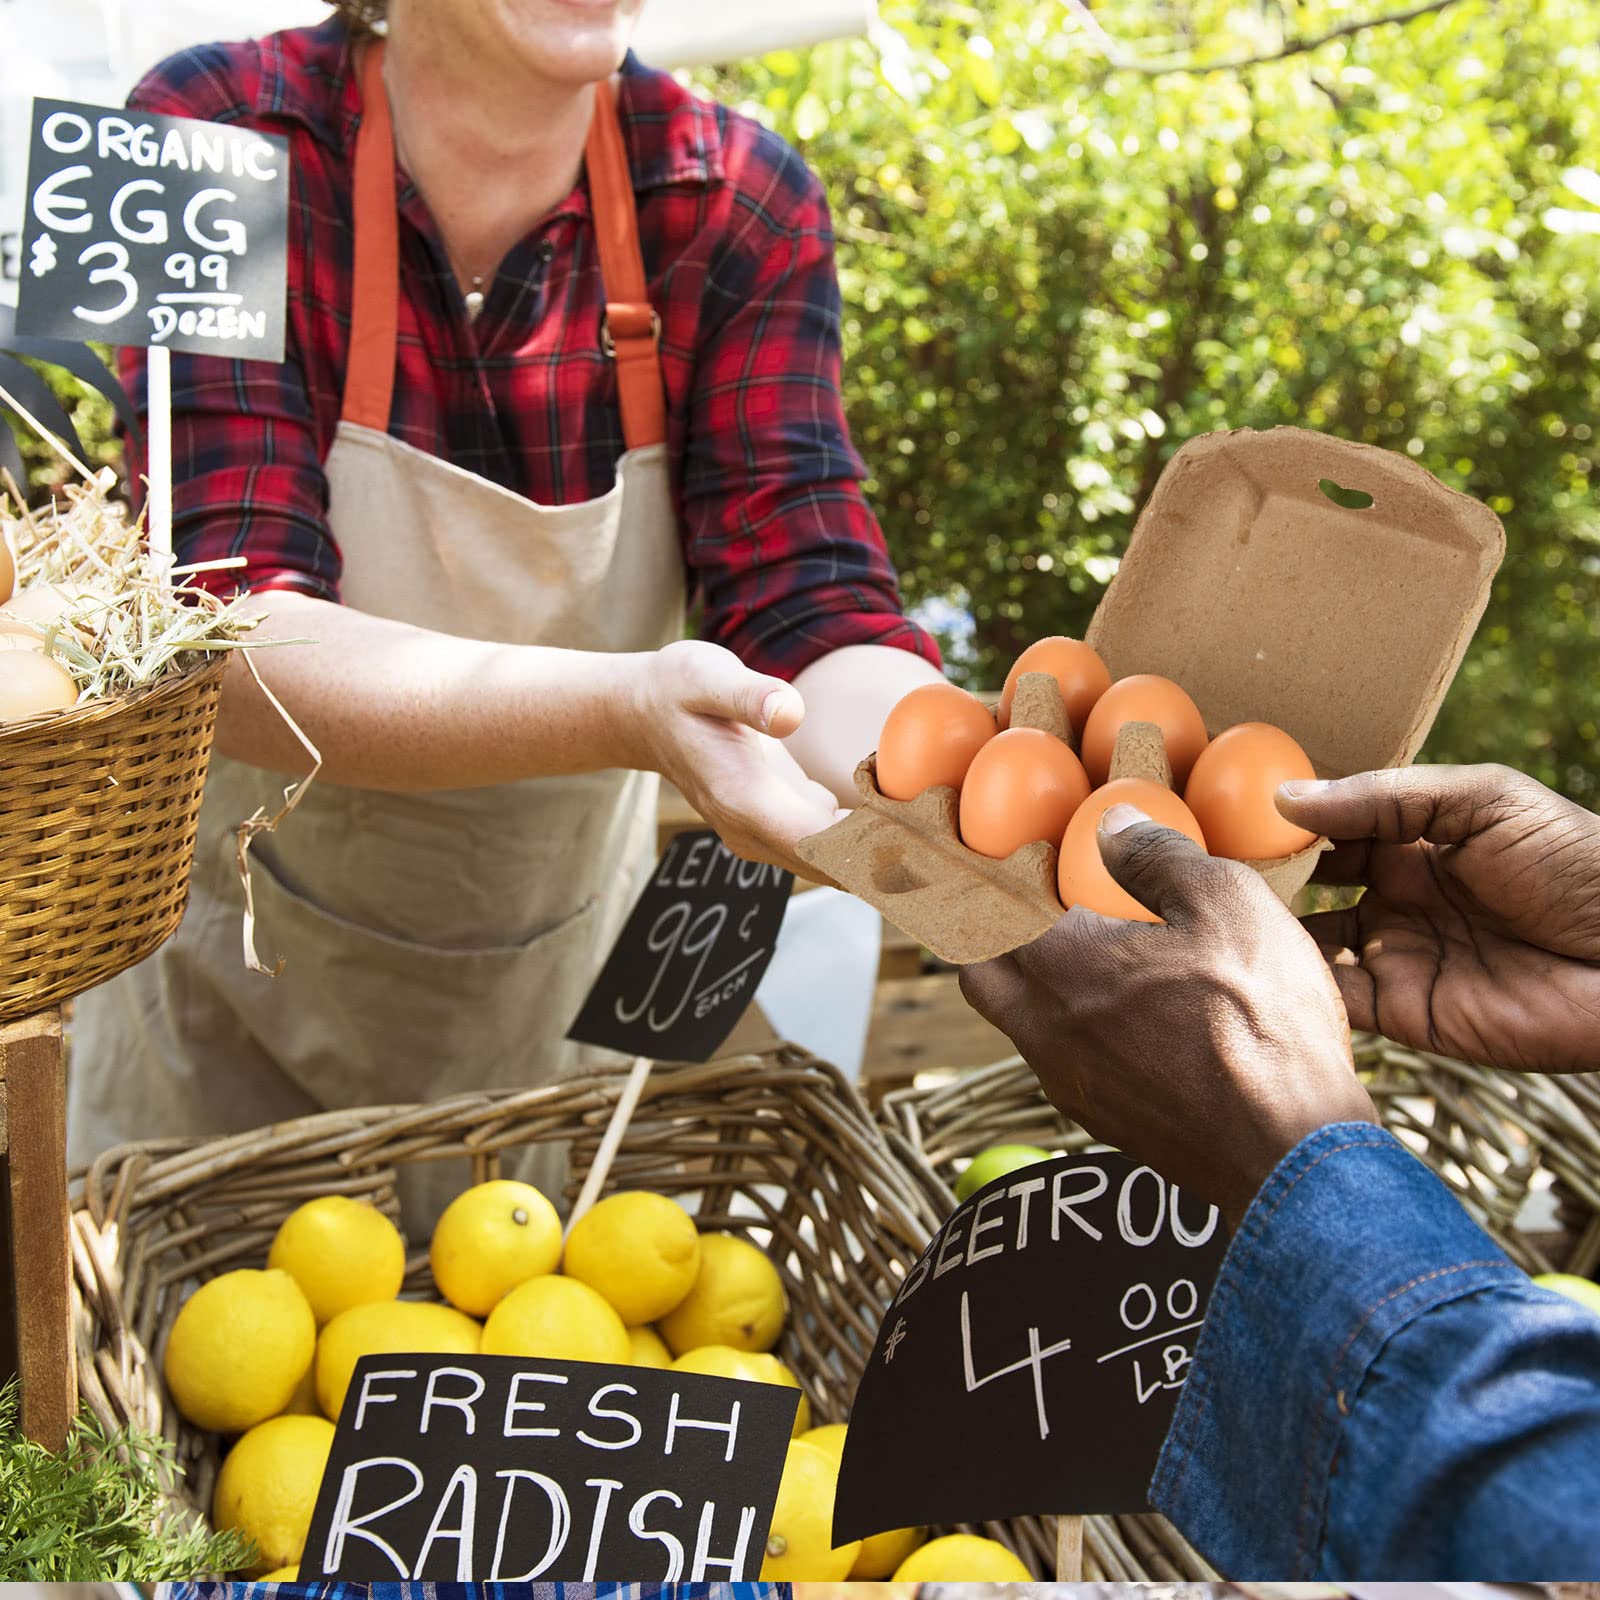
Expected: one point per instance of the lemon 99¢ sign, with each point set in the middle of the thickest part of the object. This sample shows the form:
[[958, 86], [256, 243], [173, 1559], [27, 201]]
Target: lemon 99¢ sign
[[151, 230]]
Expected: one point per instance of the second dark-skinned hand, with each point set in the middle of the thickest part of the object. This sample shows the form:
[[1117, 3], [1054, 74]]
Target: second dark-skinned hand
[[1206, 1046], [1478, 935]]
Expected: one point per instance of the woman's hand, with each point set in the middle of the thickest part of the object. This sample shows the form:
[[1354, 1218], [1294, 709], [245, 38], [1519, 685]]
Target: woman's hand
[[713, 727], [1479, 933], [1208, 1045]]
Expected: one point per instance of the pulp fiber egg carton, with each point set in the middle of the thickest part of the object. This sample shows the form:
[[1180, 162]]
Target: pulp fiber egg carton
[[1287, 577]]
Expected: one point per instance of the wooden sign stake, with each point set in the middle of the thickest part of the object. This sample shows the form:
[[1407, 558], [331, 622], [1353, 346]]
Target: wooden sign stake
[[611, 1140], [159, 522], [1069, 1549]]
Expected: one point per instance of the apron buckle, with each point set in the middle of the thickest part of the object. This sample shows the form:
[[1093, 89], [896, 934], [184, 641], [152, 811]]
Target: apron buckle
[[630, 322]]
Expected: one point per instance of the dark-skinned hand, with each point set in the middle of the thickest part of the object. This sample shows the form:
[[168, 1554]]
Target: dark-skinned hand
[[1478, 935], [1206, 1046]]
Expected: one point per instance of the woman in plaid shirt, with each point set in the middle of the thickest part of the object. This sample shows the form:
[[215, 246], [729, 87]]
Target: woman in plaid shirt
[[563, 358]]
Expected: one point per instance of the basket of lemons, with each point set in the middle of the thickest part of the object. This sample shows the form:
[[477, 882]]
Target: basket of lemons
[[753, 1224]]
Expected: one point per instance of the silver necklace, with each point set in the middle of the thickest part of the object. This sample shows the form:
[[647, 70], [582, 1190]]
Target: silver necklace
[[475, 298]]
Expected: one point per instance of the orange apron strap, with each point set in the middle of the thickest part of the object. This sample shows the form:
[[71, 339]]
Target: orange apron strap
[[375, 305], [631, 333]]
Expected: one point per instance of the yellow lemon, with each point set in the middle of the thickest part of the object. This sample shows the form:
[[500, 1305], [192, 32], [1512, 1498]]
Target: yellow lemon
[[641, 1251], [303, 1402], [282, 1575], [829, 1437], [1584, 1290], [649, 1348], [559, 1319], [267, 1488], [723, 1361], [387, 1327], [962, 1558], [238, 1349], [491, 1238], [737, 1299], [883, 1552], [800, 1542], [341, 1252]]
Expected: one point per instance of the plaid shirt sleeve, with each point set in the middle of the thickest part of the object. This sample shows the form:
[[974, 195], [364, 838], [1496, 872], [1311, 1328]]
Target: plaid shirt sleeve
[[245, 451], [790, 559]]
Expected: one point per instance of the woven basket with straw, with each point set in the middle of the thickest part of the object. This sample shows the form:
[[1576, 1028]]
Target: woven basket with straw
[[98, 808], [777, 1147]]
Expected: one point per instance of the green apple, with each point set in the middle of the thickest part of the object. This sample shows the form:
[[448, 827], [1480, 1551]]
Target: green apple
[[1584, 1290], [996, 1162]]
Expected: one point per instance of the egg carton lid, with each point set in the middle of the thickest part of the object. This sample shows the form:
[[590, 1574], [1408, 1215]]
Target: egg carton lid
[[1249, 583]]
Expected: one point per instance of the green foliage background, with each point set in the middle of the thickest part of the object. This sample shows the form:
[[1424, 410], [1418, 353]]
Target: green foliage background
[[1057, 271]]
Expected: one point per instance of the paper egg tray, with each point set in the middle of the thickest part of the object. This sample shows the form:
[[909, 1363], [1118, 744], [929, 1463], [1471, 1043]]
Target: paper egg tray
[[906, 859]]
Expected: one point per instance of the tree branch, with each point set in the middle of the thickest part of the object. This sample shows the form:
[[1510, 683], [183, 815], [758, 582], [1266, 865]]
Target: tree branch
[[1120, 61]]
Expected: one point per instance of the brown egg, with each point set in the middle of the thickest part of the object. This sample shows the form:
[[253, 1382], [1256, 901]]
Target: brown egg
[[1023, 785], [1231, 787], [1079, 670], [930, 739], [8, 571], [1082, 875], [31, 684], [44, 603], [1144, 698]]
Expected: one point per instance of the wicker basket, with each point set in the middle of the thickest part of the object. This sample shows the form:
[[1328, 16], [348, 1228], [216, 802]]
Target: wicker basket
[[98, 808], [1494, 1137], [778, 1147]]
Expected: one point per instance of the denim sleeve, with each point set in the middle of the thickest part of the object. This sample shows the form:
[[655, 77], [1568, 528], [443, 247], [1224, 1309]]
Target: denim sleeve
[[1379, 1393]]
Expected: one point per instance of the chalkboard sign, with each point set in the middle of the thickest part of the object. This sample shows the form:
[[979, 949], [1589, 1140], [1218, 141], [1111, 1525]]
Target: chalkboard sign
[[461, 1468], [689, 960], [151, 230], [1031, 1361]]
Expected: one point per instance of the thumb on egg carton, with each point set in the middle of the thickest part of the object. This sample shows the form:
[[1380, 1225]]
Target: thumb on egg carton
[[905, 858]]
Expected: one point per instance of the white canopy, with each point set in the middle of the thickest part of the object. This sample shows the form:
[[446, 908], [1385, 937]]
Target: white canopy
[[96, 50]]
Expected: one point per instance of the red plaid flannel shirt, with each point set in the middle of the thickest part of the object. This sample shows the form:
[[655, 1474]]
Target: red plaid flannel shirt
[[781, 548]]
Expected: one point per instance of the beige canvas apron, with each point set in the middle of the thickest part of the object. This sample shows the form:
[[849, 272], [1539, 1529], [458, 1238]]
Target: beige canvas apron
[[433, 943]]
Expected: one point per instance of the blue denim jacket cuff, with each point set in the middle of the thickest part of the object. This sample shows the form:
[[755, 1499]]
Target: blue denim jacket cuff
[[1349, 1240]]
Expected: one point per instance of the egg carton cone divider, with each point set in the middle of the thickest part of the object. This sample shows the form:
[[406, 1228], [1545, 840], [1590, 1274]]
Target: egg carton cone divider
[[905, 858], [1141, 752]]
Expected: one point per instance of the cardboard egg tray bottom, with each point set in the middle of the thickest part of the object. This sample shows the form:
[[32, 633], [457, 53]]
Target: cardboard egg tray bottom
[[906, 858], [1326, 587]]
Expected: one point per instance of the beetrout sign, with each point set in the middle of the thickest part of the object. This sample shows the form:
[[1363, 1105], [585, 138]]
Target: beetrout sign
[[1061, 1303], [149, 230]]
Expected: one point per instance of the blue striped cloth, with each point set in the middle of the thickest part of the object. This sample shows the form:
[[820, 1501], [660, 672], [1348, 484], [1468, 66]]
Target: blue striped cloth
[[476, 1591]]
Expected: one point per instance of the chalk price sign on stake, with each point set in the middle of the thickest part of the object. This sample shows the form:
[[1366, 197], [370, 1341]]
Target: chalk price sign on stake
[[151, 230], [1049, 1328], [687, 964], [461, 1468]]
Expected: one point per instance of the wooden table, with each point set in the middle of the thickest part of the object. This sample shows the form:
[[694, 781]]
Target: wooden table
[[36, 1339]]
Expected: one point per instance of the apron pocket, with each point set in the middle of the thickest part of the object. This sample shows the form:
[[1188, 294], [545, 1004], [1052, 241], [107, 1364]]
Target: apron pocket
[[359, 1017]]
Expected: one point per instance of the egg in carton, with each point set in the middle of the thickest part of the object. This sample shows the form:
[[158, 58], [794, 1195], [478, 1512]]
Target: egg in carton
[[906, 857], [1326, 587]]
